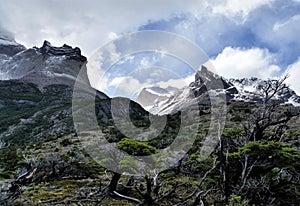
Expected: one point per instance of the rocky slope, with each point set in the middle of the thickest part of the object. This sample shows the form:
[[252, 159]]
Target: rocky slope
[[43, 160], [36, 93], [8, 48], [44, 66], [208, 85], [247, 92], [196, 93], [152, 96]]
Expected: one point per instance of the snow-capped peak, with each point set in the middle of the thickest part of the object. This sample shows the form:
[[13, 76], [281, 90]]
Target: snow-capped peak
[[151, 96], [160, 101]]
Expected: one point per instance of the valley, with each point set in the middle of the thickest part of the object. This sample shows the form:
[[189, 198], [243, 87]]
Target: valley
[[233, 142]]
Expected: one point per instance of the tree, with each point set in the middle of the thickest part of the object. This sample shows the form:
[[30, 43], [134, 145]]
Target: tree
[[257, 148], [16, 187], [128, 165], [269, 113], [270, 174]]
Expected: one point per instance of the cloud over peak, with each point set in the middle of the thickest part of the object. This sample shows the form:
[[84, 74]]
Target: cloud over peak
[[239, 62], [293, 71]]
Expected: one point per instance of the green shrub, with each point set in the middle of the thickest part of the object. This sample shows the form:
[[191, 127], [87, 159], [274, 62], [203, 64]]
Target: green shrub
[[233, 133], [236, 200], [134, 147]]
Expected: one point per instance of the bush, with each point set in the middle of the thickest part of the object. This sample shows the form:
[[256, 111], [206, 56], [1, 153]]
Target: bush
[[134, 147], [236, 200]]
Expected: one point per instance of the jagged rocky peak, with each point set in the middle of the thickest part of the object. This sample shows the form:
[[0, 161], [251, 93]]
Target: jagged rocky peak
[[196, 92], [204, 77], [207, 80], [47, 65], [242, 90], [65, 50]]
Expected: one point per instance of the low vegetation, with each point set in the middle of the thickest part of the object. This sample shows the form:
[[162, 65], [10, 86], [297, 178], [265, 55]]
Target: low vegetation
[[257, 161]]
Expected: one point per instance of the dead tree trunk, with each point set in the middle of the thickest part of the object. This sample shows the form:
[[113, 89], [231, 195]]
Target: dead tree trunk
[[147, 197], [114, 182]]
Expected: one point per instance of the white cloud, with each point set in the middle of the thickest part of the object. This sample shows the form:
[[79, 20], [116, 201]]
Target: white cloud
[[97, 66], [127, 86], [293, 71], [90, 24], [177, 83], [87, 24], [145, 62], [238, 7], [287, 31], [112, 36], [95, 74], [238, 63], [279, 25]]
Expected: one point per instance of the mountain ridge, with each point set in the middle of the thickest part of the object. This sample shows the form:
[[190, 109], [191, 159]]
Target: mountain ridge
[[38, 91], [45, 66], [244, 90]]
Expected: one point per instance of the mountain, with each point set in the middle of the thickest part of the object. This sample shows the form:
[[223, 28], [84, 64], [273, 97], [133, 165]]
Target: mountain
[[200, 91], [37, 90], [196, 93], [44, 66], [247, 92], [8, 48], [52, 129], [151, 96]]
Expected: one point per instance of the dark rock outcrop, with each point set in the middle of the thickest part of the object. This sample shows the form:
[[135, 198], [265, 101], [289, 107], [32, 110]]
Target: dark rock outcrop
[[65, 50], [46, 66], [9, 47], [206, 80]]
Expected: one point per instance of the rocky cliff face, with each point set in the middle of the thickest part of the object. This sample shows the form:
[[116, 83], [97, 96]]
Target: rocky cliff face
[[45, 66], [196, 93], [37, 90], [8, 48], [206, 80]]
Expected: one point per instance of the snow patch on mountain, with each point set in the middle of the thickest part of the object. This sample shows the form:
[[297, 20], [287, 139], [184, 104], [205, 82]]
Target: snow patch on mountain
[[60, 75], [207, 85], [248, 92], [42, 66], [7, 42], [153, 96], [158, 91]]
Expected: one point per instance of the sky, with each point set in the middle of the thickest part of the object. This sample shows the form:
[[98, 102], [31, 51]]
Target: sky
[[241, 38]]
